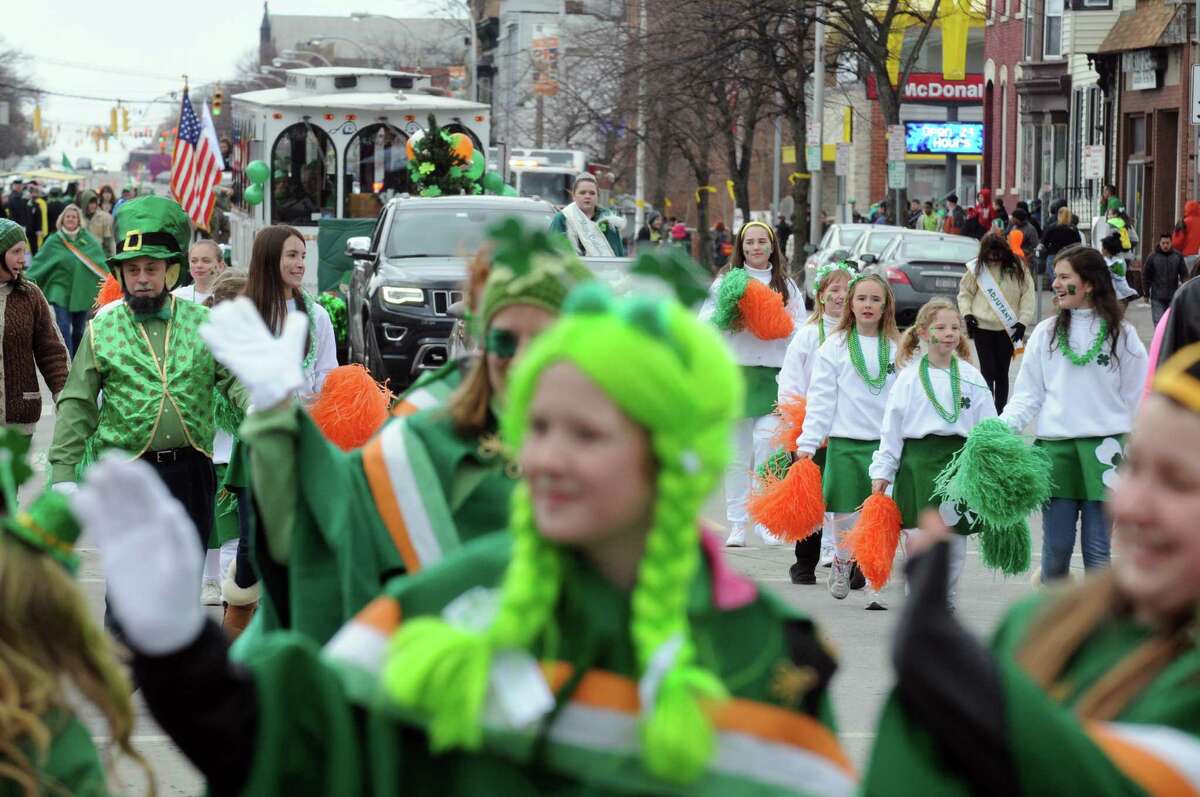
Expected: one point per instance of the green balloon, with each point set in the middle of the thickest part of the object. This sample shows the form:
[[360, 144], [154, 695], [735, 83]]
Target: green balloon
[[257, 172], [508, 190], [254, 195], [493, 182], [478, 165]]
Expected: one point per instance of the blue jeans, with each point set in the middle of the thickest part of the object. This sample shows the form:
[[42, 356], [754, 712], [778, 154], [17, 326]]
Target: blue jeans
[[71, 325], [1058, 535]]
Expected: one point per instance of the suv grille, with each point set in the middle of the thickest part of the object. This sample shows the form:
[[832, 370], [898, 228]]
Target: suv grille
[[443, 299]]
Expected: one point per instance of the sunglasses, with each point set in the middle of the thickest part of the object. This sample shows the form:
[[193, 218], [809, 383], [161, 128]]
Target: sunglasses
[[501, 343]]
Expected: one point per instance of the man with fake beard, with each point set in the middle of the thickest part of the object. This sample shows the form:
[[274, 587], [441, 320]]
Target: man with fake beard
[[157, 376]]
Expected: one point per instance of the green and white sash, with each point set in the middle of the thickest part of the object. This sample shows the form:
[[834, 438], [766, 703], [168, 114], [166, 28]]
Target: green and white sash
[[1084, 468], [991, 292]]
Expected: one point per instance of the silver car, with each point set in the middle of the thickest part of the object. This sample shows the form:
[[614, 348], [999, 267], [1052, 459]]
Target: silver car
[[835, 244], [920, 265]]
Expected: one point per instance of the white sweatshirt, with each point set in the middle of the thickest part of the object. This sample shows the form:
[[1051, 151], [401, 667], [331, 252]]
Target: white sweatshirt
[[326, 359], [748, 349], [1072, 401], [801, 356], [910, 415], [839, 402]]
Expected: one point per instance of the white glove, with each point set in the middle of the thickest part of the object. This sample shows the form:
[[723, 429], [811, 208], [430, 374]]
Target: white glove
[[150, 551], [66, 488], [270, 367]]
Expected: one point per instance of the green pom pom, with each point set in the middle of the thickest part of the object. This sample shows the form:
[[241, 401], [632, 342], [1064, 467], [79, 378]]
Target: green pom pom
[[776, 467], [727, 316], [996, 474], [1007, 549], [590, 297]]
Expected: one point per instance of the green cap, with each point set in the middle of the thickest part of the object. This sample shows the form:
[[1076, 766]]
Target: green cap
[[11, 234], [50, 526], [528, 267], [153, 226], [1114, 203]]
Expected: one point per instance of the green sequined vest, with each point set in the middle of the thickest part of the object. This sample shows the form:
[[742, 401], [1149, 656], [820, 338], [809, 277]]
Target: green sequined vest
[[136, 385]]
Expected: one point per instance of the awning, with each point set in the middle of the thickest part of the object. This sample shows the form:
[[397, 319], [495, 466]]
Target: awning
[[1148, 25]]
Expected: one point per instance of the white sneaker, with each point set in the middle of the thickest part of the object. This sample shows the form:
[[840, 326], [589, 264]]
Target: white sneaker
[[875, 602], [210, 594], [767, 537], [839, 580], [737, 537], [826, 558]]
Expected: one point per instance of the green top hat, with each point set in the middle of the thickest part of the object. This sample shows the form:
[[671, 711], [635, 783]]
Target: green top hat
[[48, 524], [153, 226]]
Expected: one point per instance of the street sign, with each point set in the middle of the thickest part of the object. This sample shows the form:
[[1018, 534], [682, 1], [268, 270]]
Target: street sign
[[1196, 94], [812, 158], [1093, 162], [841, 164], [545, 54], [896, 143], [897, 175]]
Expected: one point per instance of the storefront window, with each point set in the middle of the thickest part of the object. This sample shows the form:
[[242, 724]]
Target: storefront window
[[376, 169], [303, 165]]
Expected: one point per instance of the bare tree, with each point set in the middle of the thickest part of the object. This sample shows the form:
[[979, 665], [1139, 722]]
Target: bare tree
[[17, 137]]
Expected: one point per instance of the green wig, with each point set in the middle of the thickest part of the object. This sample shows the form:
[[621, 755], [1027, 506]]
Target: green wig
[[686, 392]]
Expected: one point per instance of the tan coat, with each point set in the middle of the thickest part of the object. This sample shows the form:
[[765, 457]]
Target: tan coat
[[100, 225], [1018, 293]]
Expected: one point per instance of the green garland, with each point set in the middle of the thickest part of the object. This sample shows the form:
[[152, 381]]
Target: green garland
[[1064, 345], [336, 307], [435, 169], [955, 391], [874, 384]]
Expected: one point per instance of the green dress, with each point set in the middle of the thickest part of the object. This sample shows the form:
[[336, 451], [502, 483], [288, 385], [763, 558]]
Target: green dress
[[340, 524], [69, 272], [325, 727], [72, 765], [1051, 750]]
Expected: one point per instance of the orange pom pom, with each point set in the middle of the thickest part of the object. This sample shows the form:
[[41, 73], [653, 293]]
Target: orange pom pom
[[792, 507], [351, 408], [791, 422], [110, 291], [763, 312], [874, 538]]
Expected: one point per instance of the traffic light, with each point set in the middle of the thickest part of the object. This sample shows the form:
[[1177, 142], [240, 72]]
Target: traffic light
[[124, 120], [218, 101], [112, 120]]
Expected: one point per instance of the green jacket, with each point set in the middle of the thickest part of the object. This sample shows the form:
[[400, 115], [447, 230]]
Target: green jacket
[[340, 524], [611, 233], [1052, 751], [325, 726], [72, 765], [63, 276]]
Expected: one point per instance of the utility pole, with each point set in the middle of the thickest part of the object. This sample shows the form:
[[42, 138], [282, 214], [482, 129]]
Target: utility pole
[[639, 189], [818, 107], [472, 53], [539, 121]]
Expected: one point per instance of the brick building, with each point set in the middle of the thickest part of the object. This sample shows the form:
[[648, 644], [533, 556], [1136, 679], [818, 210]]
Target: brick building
[[1003, 50]]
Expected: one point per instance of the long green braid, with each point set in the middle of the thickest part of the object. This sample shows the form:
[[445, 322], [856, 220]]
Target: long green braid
[[687, 393]]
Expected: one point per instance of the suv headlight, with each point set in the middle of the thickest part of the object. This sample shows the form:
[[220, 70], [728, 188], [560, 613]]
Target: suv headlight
[[402, 296]]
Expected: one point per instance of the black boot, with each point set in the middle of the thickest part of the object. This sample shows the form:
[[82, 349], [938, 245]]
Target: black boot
[[857, 579], [808, 553]]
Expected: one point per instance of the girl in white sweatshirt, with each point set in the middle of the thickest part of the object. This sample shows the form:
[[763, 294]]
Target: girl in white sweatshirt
[[847, 394], [936, 401], [756, 251], [1081, 378], [832, 283]]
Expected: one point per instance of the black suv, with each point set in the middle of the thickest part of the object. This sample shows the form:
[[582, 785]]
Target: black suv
[[411, 270]]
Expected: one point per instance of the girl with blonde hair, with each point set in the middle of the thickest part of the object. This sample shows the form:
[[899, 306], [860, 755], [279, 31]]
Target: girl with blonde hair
[[936, 401]]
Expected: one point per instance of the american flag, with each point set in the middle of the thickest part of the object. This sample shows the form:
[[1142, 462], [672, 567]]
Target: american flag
[[196, 164]]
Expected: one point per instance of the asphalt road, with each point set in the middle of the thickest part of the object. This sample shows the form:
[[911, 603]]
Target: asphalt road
[[861, 638]]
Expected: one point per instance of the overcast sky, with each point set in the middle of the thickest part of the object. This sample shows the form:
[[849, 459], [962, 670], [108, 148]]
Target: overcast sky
[[138, 50]]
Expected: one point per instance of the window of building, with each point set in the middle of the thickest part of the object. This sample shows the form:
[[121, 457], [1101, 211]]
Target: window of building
[[303, 168], [1053, 33], [1092, 5], [376, 168], [1001, 7], [1137, 134], [1029, 32]]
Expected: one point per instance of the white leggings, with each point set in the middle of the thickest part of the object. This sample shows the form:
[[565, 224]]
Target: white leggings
[[751, 448], [958, 558], [216, 562]]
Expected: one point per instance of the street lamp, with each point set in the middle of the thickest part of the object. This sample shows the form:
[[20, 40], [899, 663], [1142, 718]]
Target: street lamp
[[308, 53], [363, 50]]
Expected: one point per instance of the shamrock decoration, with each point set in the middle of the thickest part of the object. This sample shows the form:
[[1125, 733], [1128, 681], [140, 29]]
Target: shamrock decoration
[[1103, 360], [674, 267], [426, 168], [517, 248], [1111, 453], [891, 369], [436, 169], [966, 402], [952, 512]]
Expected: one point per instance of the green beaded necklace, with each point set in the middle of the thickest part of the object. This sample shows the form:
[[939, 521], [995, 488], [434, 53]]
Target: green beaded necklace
[[1064, 345], [874, 385], [955, 390]]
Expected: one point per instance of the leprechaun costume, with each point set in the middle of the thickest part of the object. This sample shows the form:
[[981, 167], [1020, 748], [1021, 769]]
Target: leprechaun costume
[[156, 374], [339, 524], [692, 682]]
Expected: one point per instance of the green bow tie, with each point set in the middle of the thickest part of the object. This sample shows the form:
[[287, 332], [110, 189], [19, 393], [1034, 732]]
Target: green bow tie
[[162, 314]]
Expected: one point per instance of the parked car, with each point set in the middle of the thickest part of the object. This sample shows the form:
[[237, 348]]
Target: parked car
[[835, 244], [873, 242], [921, 265], [410, 271]]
